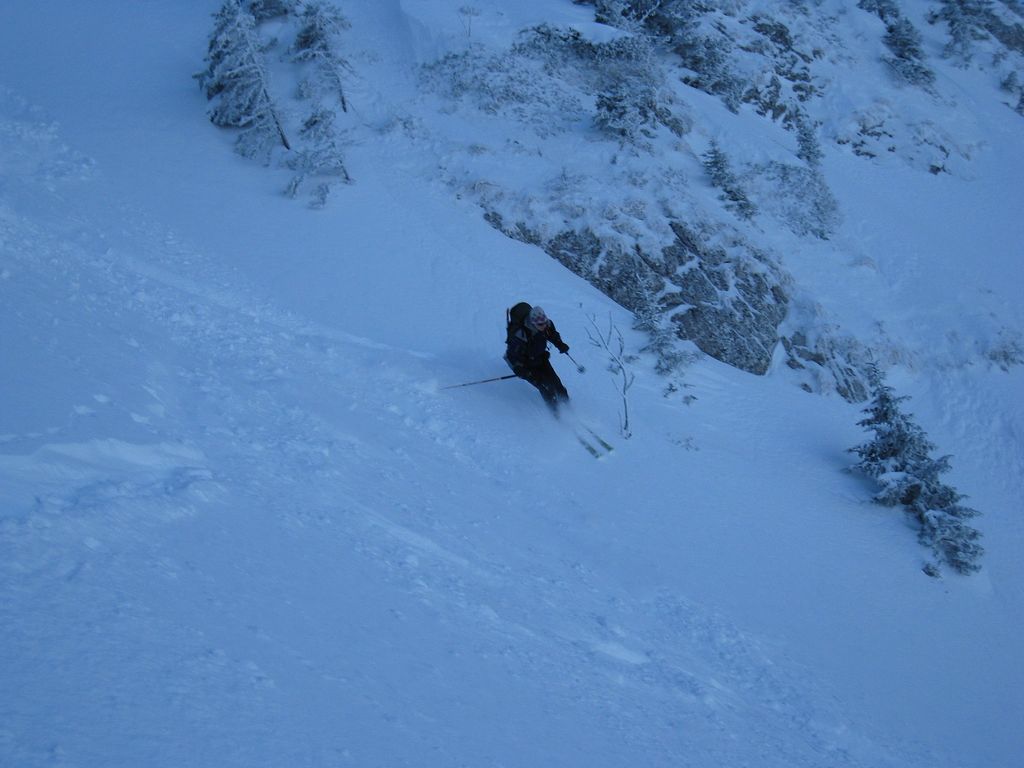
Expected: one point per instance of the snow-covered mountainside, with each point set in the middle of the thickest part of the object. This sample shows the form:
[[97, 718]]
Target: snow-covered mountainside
[[587, 133], [243, 520]]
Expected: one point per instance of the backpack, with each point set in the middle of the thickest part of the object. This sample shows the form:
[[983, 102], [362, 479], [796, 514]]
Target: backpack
[[515, 319]]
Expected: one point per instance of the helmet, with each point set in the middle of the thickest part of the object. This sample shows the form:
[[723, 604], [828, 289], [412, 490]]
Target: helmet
[[538, 319]]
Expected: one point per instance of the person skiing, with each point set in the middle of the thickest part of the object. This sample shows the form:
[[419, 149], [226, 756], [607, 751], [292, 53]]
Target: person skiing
[[526, 351]]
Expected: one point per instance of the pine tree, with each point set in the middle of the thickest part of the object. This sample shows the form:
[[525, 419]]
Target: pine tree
[[236, 78], [317, 42], [938, 509], [898, 446], [711, 60], [808, 148], [899, 459], [631, 14], [264, 10], [716, 163], [627, 110], [886, 10], [907, 60], [965, 20], [319, 157]]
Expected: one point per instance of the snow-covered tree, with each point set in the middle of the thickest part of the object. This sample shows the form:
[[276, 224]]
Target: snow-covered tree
[[942, 518], [899, 458], [899, 446], [907, 61], [1011, 84], [637, 14], [904, 41], [630, 99], [886, 10], [717, 165], [622, 75], [966, 21], [808, 148], [236, 81], [318, 158], [710, 60], [798, 195], [317, 42], [264, 10], [706, 52], [622, 114]]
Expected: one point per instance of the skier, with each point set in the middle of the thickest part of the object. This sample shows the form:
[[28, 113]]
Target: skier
[[526, 351]]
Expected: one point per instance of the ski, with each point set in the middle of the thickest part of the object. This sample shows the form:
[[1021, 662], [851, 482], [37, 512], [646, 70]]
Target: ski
[[593, 444], [605, 445], [589, 447]]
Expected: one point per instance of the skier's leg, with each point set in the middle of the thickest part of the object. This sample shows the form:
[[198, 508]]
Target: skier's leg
[[552, 383], [537, 378], [550, 386]]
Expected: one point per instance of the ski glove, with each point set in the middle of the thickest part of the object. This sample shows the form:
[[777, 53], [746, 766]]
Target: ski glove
[[563, 348]]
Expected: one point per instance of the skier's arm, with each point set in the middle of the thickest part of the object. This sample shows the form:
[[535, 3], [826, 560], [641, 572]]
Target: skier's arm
[[554, 337]]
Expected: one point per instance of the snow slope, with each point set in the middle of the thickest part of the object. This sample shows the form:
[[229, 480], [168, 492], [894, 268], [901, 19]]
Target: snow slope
[[242, 525]]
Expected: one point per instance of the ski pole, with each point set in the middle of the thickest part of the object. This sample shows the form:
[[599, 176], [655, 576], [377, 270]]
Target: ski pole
[[482, 381], [579, 367]]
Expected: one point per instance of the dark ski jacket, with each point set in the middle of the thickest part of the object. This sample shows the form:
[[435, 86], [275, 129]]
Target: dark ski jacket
[[527, 349]]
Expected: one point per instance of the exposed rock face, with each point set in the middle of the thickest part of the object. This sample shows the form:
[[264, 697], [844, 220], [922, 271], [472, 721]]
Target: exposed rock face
[[731, 303], [729, 300], [829, 363]]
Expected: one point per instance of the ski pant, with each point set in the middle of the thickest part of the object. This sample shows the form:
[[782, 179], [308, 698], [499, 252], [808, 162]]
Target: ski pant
[[544, 378]]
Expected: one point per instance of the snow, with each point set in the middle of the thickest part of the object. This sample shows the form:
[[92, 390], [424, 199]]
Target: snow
[[242, 525]]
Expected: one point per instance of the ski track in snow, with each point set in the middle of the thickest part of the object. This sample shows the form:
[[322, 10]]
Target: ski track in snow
[[236, 417]]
